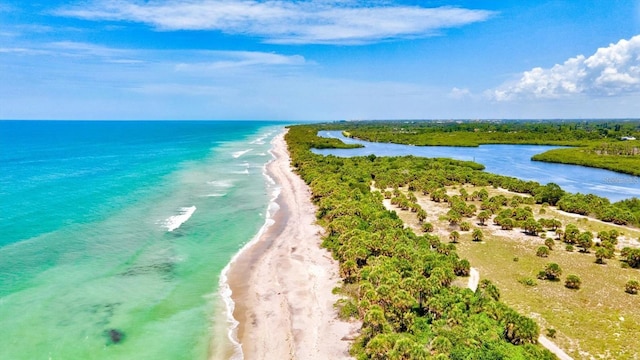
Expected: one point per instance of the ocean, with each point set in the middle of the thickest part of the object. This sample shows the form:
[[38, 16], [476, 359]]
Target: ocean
[[114, 235]]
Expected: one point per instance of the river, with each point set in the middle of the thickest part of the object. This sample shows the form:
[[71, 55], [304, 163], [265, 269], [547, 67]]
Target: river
[[509, 160]]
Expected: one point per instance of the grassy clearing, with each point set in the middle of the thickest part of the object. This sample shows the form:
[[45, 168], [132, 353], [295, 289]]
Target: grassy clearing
[[599, 320]]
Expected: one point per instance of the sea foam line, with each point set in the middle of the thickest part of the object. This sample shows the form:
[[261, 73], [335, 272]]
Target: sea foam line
[[237, 154], [175, 221], [225, 289]]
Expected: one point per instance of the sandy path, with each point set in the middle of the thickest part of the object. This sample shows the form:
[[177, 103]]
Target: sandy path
[[551, 346], [474, 278], [282, 285]]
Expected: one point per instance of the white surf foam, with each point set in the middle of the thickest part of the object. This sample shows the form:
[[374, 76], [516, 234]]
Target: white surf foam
[[223, 184], [225, 290], [174, 222], [216, 195], [258, 141], [237, 154]]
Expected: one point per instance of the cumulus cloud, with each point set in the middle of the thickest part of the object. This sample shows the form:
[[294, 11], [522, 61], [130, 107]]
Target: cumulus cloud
[[289, 22], [612, 70]]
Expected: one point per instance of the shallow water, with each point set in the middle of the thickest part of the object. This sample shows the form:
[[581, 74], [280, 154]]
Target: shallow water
[[509, 160], [114, 234]]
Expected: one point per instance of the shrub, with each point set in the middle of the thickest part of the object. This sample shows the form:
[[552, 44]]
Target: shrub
[[569, 248], [572, 282], [427, 227], [542, 251], [477, 235], [632, 287], [551, 332], [552, 271], [462, 268], [527, 281], [549, 243], [465, 226], [603, 253]]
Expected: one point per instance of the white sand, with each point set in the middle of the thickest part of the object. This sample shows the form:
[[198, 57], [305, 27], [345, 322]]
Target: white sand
[[282, 285]]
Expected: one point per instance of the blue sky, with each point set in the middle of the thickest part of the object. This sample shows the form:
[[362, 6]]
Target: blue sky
[[319, 59]]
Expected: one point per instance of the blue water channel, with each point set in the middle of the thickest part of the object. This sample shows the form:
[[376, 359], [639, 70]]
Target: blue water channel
[[509, 160]]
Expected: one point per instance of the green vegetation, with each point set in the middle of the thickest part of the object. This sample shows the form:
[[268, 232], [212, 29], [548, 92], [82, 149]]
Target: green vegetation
[[582, 318], [632, 287], [572, 282], [594, 143], [628, 163], [475, 133], [400, 284]]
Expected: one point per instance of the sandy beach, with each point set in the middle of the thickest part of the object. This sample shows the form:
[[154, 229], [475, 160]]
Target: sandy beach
[[282, 284]]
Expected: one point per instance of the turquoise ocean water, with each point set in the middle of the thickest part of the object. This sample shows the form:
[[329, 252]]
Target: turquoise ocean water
[[113, 235]]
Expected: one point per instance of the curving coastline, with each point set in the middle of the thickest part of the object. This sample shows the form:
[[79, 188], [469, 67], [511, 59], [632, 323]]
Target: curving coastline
[[281, 283]]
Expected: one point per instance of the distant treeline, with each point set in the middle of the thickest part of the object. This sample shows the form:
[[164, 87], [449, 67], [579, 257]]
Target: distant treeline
[[597, 142]]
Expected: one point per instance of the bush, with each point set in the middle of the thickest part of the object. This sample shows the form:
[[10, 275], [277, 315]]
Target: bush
[[552, 271], [477, 235], [427, 227], [527, 281], [542, 251], [632, 287], [569, 248], [572, 282], [549, 243], [465, 226], [551, 333]]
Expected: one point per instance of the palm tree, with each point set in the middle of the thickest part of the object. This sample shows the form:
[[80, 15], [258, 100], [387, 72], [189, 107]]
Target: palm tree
[[483, 216], [477, 235], [454, 236]]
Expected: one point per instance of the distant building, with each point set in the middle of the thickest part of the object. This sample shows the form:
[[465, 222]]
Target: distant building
[[625, 138]]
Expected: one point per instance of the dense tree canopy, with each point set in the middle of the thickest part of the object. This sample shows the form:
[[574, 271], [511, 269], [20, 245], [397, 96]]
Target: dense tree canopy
[[399, 283]]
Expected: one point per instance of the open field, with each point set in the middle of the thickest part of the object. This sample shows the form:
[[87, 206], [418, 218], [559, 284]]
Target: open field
[[599, 320]]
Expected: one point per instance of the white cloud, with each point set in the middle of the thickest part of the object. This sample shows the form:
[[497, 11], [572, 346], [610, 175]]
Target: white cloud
[[612, 70], [457, 93], [297, 22], [196, 60], [237, 59]]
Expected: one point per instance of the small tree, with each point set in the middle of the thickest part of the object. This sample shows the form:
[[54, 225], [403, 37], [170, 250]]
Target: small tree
[[572, 282], [427, 227], [585, 241], [631, 256], [542, 251], [454, 236], [483, 216], [552, 271], [602, 253], [477, 235], [422, 215], [465, 226], [632, 287]]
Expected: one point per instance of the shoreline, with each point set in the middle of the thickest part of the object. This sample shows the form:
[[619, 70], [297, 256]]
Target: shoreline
[[281, 282]]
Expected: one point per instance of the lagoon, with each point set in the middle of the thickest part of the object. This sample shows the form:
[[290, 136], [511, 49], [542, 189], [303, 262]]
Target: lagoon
[[509, 160]]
